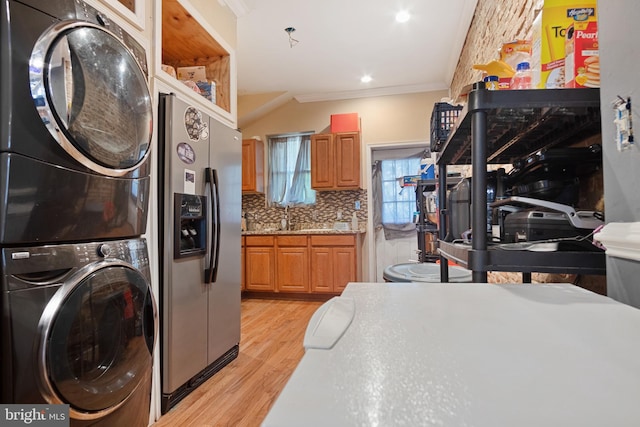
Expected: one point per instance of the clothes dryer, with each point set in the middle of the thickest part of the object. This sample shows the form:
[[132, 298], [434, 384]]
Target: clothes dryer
[[78, 327], [75, 125]]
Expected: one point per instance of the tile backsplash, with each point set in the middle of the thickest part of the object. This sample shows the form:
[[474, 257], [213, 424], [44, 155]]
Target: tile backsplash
[[328, 204]]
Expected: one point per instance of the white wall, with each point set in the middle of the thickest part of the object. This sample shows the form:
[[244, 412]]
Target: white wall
[[618, 34]]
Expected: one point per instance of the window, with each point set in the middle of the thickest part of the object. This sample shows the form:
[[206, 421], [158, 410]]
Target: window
[[393, 205], [290, 170], [398, 204]]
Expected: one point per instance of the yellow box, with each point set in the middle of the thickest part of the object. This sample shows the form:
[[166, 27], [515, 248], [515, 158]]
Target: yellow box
[[548, 39]]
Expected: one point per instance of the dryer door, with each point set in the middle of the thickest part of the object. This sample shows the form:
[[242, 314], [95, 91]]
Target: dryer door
[[97, 337], [92, 96]]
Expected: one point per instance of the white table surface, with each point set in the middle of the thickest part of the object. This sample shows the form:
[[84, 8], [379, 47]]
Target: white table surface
[[431, 354]]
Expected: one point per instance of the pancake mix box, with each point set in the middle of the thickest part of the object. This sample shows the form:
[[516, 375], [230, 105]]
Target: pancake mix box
[[549, 40], [582, 60]]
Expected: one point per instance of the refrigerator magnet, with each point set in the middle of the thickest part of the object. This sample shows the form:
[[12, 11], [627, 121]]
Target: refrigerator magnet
[[186, 153], [189, 182]]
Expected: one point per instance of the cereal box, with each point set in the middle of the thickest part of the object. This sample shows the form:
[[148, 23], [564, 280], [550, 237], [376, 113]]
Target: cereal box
[[549, 38], [582, 60]]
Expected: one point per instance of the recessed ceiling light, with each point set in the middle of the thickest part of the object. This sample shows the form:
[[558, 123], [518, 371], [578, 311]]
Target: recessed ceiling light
[[366, 78], [403, 16]]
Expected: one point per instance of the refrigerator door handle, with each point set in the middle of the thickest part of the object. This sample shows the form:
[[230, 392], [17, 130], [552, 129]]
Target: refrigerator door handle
[[211, 273]]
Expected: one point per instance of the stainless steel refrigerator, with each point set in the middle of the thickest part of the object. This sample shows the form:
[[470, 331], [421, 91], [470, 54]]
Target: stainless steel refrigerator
[[200, 201]]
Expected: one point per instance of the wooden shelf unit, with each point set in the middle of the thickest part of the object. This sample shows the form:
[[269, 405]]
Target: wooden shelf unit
[[187, 42]]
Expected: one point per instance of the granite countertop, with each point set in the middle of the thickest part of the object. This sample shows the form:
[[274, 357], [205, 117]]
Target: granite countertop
[[299, 232], [302, 228]]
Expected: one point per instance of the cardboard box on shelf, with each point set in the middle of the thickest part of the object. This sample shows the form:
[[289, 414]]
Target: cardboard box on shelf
[[582, 55], [409, 181], [345, 123], [207, 89], [549, 38], [197, 73]]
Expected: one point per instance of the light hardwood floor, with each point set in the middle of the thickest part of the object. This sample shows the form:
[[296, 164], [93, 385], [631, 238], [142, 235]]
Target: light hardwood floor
[[241, 394]]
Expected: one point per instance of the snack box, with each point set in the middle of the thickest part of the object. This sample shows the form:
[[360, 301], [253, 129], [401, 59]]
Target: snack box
[[582, 59], [197, 73], [549, 38], [207, 89], [410, 181]]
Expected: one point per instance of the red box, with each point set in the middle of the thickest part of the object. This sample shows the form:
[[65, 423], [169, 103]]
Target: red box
[[345, 123], [582, 55]]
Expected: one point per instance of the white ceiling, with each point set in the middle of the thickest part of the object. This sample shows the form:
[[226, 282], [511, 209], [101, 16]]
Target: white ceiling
[[341, 40]]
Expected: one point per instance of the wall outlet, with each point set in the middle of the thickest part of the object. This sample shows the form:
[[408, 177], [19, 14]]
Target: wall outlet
[[357, 205]]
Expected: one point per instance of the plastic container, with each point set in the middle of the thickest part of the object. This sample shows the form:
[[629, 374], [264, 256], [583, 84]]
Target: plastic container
[[443, 117], [427, 170], [522, 78], [492, 82], [423, 272]]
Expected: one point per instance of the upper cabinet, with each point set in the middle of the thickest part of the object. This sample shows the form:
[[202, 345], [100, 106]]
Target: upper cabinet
[[132, 10], [322, 165], [335, 161], [187, 40], [252, 166]]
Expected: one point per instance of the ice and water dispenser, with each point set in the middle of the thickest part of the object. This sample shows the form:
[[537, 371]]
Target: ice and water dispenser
[[190, 228]]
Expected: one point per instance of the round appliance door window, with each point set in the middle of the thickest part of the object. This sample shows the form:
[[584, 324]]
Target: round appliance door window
[[99, 343], [93, 96]]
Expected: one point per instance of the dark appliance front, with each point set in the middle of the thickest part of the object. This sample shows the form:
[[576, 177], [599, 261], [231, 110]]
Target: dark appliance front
[[459, 202], [78, 327], [75, 125]]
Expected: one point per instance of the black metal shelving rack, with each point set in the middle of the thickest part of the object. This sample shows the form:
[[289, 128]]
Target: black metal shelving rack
[[497, 127], [424, 226]]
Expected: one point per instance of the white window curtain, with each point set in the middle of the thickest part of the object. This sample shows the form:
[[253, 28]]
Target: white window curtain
[[290, 170]]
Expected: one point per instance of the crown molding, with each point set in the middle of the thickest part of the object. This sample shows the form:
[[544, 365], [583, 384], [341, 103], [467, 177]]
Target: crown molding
[[368, 93], [238, 7]]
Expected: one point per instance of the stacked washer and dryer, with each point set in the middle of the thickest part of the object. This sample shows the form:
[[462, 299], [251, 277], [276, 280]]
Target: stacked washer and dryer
[[78, 318]]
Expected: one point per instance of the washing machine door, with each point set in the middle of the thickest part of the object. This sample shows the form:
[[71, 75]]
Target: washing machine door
[[97, 337], [92, 96]]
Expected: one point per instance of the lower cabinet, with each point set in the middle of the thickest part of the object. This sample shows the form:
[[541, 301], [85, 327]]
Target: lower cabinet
[[260, 263], [301, 263], [292, 260], [334, 262], [242, 264]]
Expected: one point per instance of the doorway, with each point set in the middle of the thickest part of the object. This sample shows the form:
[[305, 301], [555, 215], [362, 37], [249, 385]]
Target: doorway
[[393, 204]]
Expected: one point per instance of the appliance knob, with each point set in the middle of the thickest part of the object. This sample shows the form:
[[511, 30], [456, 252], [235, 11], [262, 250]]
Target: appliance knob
[[104, 250]]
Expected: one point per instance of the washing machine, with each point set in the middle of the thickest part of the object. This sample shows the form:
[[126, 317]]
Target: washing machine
[[78, 327], [76, 123]]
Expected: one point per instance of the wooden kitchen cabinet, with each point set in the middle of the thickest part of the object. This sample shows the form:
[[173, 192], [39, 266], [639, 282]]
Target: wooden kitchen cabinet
[[252, 166], [335, 161], [322, 165], [347, 148], [242, 264], [301, 263], [260, 263], [335, 261], [292, 261]]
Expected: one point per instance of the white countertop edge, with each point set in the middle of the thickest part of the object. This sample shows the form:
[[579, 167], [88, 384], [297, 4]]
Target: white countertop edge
[[620, 239]]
